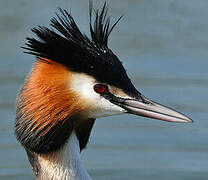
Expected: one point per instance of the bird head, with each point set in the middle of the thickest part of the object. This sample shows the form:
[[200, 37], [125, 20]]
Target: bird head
[[75, 80]]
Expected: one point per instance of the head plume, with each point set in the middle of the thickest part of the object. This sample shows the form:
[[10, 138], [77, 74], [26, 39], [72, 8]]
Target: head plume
[[68, 38], [73, 49], [102, 28]]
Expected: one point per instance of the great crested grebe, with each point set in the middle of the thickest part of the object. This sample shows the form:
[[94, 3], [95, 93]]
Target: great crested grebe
[[74, 80]]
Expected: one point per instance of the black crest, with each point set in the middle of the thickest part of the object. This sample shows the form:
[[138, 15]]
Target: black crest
[[68, 46]]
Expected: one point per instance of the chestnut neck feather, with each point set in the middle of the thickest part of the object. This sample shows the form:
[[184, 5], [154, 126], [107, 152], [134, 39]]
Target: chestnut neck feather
[[47, 111]]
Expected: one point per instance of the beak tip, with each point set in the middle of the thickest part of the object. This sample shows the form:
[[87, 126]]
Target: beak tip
[[185, 120], [190, 121]]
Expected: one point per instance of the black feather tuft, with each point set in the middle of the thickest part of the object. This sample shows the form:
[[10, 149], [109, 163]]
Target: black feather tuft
[[73, 49], [102, 28]]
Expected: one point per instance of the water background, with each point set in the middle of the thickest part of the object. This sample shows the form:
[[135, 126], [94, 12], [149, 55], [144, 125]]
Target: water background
[[164, 47]]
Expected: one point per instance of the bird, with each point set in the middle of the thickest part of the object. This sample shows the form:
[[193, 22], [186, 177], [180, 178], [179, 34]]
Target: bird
[[74, 80]]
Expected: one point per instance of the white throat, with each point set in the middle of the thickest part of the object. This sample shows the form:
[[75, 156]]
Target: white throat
[[64, 164]]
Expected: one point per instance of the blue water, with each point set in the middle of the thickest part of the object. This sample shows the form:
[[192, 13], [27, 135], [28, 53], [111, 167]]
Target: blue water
[[164, 47]]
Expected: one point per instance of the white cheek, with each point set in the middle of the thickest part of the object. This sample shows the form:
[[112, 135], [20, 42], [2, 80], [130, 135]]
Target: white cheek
[[99, 106], [105, 108]]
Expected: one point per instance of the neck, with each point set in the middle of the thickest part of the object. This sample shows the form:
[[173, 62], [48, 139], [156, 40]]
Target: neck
[[65, 164], [49, 124]]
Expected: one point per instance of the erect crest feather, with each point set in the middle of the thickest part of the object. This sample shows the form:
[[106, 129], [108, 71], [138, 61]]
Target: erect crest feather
[[73, 49], [69, 35], [102, 25]]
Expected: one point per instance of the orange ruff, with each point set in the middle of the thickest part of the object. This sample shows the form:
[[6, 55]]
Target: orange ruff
[[47, 97]]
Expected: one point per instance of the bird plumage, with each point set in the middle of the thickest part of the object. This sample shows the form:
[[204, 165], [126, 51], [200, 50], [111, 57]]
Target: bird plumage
[[74, 80]]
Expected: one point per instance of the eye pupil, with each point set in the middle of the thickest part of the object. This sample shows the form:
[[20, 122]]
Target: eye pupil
[[100, 88]]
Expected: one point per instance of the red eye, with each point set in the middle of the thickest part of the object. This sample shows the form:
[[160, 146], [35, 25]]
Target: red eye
[[100, 88]]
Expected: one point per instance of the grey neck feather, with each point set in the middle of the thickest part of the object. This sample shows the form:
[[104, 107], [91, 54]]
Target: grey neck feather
[[64, 164]]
